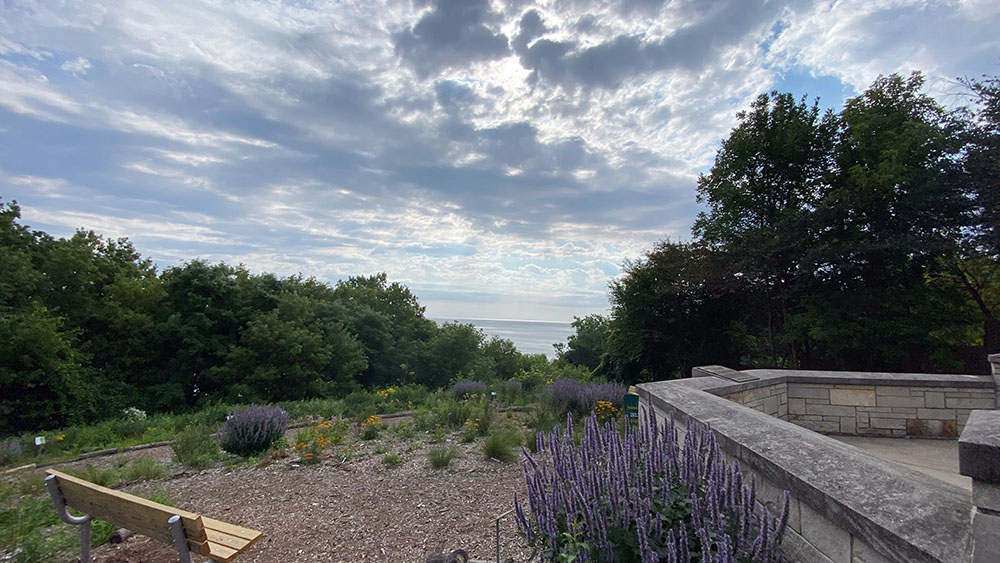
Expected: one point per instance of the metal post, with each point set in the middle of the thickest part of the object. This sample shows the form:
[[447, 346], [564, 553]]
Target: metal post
[[497, 524], [180, 540], [83, 521]]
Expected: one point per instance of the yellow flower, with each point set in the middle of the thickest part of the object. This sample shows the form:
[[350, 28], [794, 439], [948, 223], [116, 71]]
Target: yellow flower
[[60, 437]]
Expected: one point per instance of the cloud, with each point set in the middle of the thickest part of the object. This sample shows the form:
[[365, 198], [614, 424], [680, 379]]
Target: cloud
[[495, 152], [77, 66], [452, 33]]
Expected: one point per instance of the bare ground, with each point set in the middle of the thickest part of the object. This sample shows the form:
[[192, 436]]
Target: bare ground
[[357, 510]]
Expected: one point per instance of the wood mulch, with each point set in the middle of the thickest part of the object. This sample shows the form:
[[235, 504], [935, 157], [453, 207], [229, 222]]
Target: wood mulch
[[356, 510]]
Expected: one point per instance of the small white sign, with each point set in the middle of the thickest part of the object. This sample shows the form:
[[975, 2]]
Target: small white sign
[[39, 440]]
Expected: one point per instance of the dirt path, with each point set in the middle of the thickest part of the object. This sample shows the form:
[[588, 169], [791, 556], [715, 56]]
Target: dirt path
[[359, 510]]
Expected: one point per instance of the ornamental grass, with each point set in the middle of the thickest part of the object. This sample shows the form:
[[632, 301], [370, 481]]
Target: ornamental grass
[[643, 498]]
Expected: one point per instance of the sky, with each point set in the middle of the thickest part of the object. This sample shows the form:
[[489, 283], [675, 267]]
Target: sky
[[502, 159]]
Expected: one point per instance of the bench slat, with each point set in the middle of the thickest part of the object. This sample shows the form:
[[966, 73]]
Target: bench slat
[[206, 536], [148, 517]]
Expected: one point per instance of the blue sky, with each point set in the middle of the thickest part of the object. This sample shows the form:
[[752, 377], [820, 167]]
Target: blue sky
[[501, 158]]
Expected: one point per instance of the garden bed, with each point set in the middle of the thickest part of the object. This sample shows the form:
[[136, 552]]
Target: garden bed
[[359, 509]]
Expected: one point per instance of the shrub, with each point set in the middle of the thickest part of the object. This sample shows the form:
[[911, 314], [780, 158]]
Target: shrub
[[392, 460], [251, 430], [145, 468], [463, 388], [10, 450], [315, 444], [570, 395], [371, 427], [675, 504], [194, 448], [500, 445], [439, 458]]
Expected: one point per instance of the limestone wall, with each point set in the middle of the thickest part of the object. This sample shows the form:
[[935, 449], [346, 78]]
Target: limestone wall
[[847, 506], [885, 410]]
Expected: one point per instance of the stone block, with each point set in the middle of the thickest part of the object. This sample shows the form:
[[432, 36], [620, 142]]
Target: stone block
[[829, 538], [771, 405], [934, 427], [889, 423], [796, 406], [892, 390], [949, 429], [968, 403], [916, 427], [861, 552], [900, 401], [985, 538], [856, 397], [848, 425], [819, 425], [799, 391], [797, 549], [986, 495], [830, 410], [979, 447], [783, 411], [938, 414]]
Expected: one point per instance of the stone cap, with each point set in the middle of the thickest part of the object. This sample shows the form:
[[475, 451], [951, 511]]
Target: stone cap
[[979, 447], [723, 372], [994, 360]]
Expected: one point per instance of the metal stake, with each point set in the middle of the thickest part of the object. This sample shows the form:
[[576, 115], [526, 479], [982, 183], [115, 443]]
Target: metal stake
[[497, 524], [180, 540]]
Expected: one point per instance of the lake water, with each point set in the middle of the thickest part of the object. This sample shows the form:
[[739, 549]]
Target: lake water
[[530, 337]]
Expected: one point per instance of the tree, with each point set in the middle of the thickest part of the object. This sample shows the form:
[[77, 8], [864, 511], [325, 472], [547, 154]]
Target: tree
[[588, 344], [295, 351], [879, 228], [765, 182], [670, 312]]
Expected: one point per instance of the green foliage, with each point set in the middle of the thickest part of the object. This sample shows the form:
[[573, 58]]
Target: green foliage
[[391, 460], [500, 445], [589, 343], [441, 457], [195, 447]]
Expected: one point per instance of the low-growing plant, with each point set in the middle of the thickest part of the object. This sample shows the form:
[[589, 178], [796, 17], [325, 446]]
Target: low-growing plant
[[315, 444], [466, 388], [250, 431], [144, 468], [679, 504], [10, 450], [392, 460], [441, 457], [414, 446], [404, 430], [194, 447], [384, 448], [606, 411], [371, 427], [500, 445]]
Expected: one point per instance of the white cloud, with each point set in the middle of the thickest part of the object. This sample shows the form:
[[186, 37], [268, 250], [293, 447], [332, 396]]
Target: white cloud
[[79, 65]]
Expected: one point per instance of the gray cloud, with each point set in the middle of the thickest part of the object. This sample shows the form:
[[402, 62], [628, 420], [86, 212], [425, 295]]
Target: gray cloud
[[453, 33]]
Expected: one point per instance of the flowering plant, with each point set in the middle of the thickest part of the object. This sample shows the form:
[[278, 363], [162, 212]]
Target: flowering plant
[[644, 498], [371, 426], [315, 445]]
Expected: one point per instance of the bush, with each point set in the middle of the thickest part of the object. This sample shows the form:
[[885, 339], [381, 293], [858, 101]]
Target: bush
[[463, 388], [10, 450], [500, 445], [683, 504], [194, 448], [439, 458], [570, 395], [251, 430]]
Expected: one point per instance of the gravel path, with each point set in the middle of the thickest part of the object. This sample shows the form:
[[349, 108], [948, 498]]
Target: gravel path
[[357, 510]]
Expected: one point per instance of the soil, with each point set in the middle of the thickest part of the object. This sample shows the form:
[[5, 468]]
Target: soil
[[354, 510]]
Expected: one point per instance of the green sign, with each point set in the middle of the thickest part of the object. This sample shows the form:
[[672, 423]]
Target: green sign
[[632, 406]]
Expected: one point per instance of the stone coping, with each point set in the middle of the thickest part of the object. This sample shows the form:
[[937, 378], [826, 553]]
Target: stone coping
[[979, 447], [905, 515], [757, 378]]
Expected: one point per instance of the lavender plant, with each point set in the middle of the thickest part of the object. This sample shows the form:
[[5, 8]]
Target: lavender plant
[[251, 430], [642, 498], [463, 388], [579, 398]]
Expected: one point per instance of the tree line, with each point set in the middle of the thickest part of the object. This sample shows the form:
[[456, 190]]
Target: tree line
[[864, 239], [89, 327]]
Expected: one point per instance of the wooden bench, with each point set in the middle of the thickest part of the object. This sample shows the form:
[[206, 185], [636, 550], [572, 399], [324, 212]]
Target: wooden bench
[[187, 531]]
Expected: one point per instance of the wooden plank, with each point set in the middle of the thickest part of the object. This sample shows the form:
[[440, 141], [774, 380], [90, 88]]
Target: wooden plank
[[222, 553], [141, 515], [231, 529]]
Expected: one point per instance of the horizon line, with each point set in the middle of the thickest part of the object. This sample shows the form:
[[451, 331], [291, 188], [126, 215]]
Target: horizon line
[[501, 320]]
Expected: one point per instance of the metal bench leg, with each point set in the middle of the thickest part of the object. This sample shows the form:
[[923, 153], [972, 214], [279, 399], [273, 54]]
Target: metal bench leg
[[83, 521], [180, 540]]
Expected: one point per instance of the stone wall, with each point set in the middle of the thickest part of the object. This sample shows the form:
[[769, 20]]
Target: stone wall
[[847, 506], [860, 404], [885, 410]]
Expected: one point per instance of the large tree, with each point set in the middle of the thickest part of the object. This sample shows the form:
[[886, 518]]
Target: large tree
[[766, 180]]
